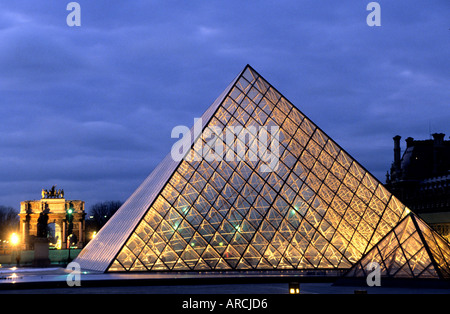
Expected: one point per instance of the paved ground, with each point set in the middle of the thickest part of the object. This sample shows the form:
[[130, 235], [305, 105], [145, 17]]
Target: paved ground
[[257, 289], [11, 277]]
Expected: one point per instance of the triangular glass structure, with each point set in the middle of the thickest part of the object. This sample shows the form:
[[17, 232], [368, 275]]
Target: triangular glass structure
[[316, 208], [410, 250]]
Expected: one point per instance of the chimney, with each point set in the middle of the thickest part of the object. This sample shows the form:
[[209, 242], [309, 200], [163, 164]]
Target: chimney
[[409, 142], [397, 152], [438, 148]]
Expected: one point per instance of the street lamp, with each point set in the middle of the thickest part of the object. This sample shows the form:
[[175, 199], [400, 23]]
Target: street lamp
[[14, 240], [69, 219]]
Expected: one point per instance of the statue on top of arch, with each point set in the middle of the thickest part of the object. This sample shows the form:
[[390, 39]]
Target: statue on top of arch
[[52, 193]]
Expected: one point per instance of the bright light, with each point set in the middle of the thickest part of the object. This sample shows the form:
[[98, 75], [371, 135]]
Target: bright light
[[14, 239], [69, 211], [94, 234]]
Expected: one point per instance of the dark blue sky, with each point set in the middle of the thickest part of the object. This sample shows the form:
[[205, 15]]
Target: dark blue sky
[[91, 108]]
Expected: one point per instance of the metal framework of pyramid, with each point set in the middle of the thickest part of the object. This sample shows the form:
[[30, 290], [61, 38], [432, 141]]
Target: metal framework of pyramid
[[410, 250], [318, 209]]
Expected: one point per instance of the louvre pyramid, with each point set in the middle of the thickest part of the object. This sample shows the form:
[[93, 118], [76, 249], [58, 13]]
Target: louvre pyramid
[[410, 250], [318, 209]]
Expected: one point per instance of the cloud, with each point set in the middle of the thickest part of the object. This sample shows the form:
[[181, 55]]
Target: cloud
[[91, 108]]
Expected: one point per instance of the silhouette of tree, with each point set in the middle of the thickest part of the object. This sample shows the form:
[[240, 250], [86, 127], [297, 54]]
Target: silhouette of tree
[[9, 221], [101, 212]]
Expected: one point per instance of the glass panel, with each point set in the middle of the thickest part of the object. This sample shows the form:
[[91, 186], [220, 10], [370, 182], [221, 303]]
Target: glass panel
[[301, 137], [230, 105], [210, 195], [219, 243], [178, 182], [289, 126], [231, 256], [272, 256], [144, 231], [319, 137], [190, 193], [332, 182], [274, 181], [169, 257], [241, 205], [296, 116], [254, 95], [306, 193], [313, 182], [344, 159], [325, 159], [250, 75], [198, 243], [320, 171], [268, 193], [252, 256], [148, 257], [210, 256], [190, 257], [338, 171], [249, 193], [357, 171], [273, 95], [278, 116], [197, 181], [267, 106], [307, 127], [237, 95], [222, 205], [169, 193], [181, 205], [153, 218], [294, 182], [313, 148], [284, 105], [194, 218], [294, 217], [332, 148], [243, 84], [248, 105], [351, 182], [262, 85], [256, 181], [345, 194]]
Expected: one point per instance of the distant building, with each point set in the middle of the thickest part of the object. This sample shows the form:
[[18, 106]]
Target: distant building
[[421, 179], [56, 207]]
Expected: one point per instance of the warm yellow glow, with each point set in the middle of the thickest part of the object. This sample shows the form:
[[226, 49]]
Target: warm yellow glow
[[294, 291], [14, 239], [94, 234], [58, 244]]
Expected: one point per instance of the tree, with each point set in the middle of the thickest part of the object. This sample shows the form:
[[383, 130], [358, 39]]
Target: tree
[[101, 212], [9, 221]]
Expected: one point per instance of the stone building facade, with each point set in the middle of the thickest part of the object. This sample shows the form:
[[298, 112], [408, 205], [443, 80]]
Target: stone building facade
[[420, 178], [55, 207]]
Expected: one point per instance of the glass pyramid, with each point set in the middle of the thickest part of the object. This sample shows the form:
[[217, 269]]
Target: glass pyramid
[[410, 250], [318, 208]]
